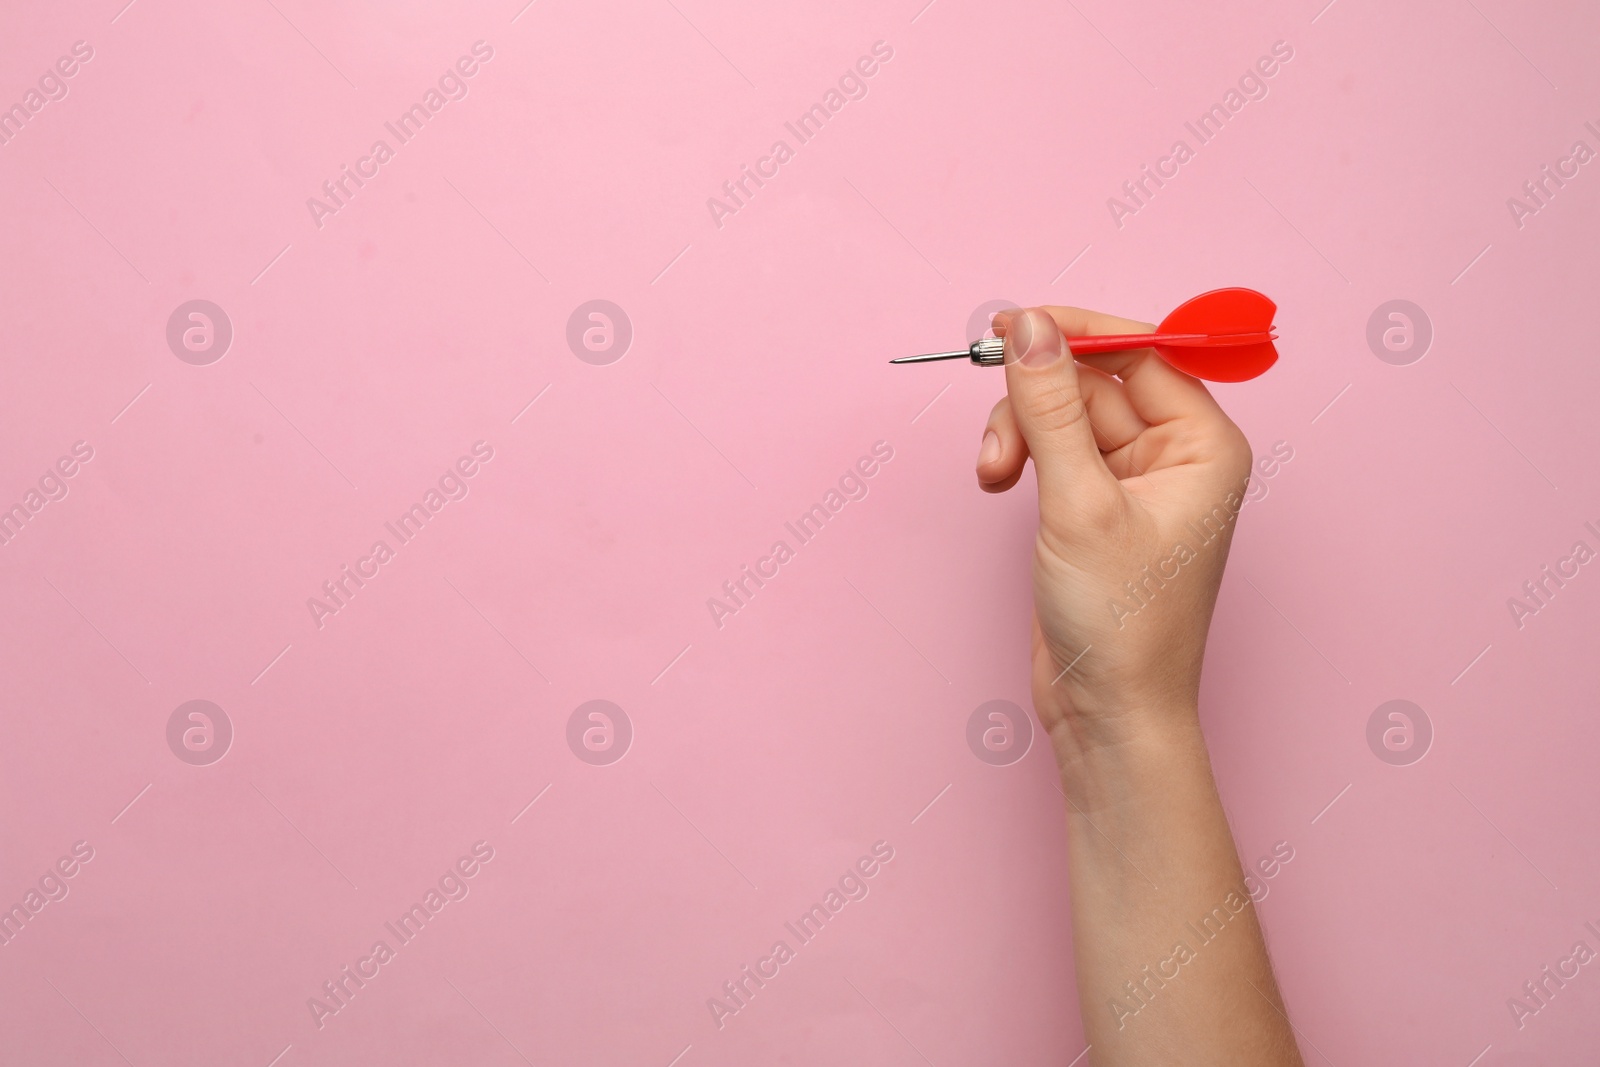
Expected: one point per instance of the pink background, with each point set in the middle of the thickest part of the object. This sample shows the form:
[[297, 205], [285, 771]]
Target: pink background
[[370, 353]]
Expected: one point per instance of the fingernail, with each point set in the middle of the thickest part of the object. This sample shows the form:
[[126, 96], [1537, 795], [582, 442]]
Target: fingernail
[[1044, 341], [1038, 343], [989, 451]]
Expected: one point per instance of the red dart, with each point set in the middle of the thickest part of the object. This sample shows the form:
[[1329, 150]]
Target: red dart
[[1222, 336]]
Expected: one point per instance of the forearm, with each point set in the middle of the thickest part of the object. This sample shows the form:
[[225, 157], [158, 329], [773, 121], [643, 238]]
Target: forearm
[[1171, 964]]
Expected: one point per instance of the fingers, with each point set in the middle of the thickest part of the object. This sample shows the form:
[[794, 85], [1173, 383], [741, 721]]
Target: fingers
[[1003, 452], [1079, 322], [1051, 413], [1112, 416], [1159, 392]]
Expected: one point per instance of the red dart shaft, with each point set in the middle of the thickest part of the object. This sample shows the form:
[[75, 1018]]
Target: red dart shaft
[[1124, 341]]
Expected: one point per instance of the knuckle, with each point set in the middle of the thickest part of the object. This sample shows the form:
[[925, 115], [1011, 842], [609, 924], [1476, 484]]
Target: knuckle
[[1235, 451], [1056, 408]]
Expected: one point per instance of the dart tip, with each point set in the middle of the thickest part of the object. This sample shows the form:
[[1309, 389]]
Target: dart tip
[[932, 357]]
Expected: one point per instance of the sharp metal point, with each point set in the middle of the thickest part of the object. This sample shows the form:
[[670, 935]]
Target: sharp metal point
[[931, 356]]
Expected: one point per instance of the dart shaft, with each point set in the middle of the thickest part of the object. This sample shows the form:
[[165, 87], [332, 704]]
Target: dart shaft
[[1124, 341]]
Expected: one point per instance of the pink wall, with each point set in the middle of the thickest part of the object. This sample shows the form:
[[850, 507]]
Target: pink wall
[[369, 750]]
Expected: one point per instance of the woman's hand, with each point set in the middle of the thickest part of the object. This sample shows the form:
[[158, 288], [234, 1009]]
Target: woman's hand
[[1141, 476]]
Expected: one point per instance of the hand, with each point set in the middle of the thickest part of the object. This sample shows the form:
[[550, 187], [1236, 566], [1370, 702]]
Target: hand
[[1141, 477]]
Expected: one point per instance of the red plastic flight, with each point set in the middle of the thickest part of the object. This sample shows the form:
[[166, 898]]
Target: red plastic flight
[[1225, 335]]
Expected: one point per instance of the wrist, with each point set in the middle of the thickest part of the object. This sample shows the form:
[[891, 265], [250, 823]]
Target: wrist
[[1130, 758]]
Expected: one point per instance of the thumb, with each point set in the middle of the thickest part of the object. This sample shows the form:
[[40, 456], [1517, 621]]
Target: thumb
[[1051, 412]]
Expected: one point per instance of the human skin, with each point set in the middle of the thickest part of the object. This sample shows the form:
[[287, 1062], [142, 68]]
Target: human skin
[[1133, 457]]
